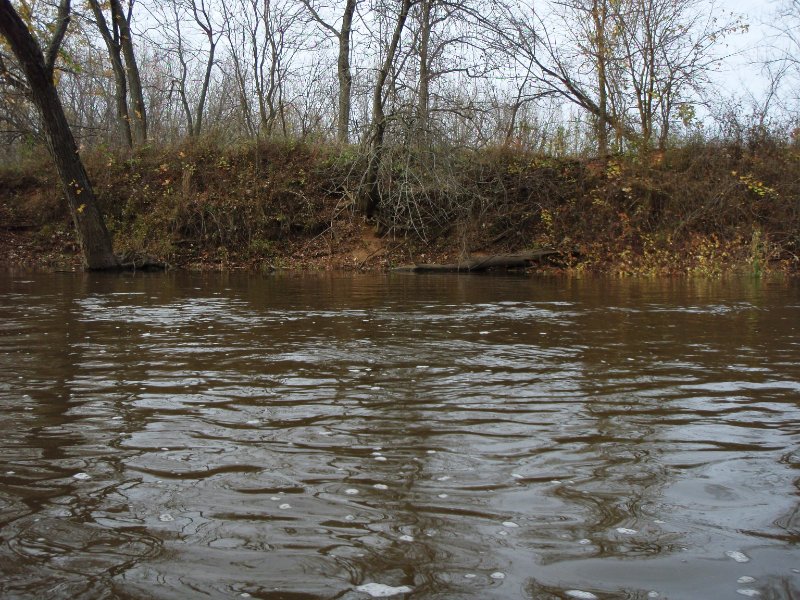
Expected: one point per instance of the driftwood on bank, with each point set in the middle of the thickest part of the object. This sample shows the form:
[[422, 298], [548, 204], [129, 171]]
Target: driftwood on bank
[[484, 263]]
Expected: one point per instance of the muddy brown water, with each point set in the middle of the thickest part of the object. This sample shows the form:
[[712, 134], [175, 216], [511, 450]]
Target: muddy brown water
[[488, 437]]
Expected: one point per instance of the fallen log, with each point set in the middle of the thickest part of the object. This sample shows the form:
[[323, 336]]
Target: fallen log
[[484, 263], [135, 262]]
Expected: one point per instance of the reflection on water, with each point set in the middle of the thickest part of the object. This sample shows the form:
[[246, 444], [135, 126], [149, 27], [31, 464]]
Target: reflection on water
[[179, 436]]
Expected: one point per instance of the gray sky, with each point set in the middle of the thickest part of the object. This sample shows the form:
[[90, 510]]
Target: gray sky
[[740, 72]]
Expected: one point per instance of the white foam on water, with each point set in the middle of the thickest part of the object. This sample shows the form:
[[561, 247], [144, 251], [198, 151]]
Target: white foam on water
[[581, 595], [349, 518], [516, 476], [351, 492], [9, 472], [739, 557], [745, 579], [82, 476], [470, 576], [253, 422], [380, 458], [284, 506], [498, 575], [626, 531], [442, 496], [406, 538], [276, 498], [444, 478], [380, 486], [166, 518], [749, 592], [510, 524], [584, 542], [502, 532], [430, 451], [652, 594], [381, 590]]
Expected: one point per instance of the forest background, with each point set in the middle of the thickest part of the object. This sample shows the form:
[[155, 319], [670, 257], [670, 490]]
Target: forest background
[[369, 133]]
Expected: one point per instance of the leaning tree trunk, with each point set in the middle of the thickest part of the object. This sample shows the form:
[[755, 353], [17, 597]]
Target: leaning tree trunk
[[370, 198], [92, 235]]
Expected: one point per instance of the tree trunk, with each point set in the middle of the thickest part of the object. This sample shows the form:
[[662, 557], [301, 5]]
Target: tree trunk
[[344, 73], [92, 235], [423, 93], [139, 120], [599, 16], [203, 20], [120, 81], [201, 102]]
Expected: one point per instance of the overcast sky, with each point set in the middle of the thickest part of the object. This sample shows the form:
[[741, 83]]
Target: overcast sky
[[740, 69]]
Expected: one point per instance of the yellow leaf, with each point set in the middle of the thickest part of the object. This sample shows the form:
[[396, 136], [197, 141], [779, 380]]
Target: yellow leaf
[[80, 208]]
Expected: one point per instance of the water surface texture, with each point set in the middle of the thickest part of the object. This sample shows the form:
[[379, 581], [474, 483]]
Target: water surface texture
[[188, 436]]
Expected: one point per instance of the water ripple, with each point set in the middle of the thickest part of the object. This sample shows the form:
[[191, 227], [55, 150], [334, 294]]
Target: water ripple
[[306, 436]]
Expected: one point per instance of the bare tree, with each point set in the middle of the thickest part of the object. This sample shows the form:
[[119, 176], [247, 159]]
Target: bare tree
[[263, 39], [783, 62], [38, 68], [138, 116], [370, 200], [568, 70], [669, 51], [445, 46], [111, 38], [201, 12], [343, 70]]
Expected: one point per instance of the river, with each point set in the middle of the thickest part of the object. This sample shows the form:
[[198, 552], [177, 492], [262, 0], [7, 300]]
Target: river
[[351, 436]]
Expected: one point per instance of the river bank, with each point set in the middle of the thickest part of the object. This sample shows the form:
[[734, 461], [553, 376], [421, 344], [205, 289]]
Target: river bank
[[698, 210]]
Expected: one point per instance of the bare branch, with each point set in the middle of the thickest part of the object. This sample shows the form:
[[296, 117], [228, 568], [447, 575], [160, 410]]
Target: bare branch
[[54, 47]]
